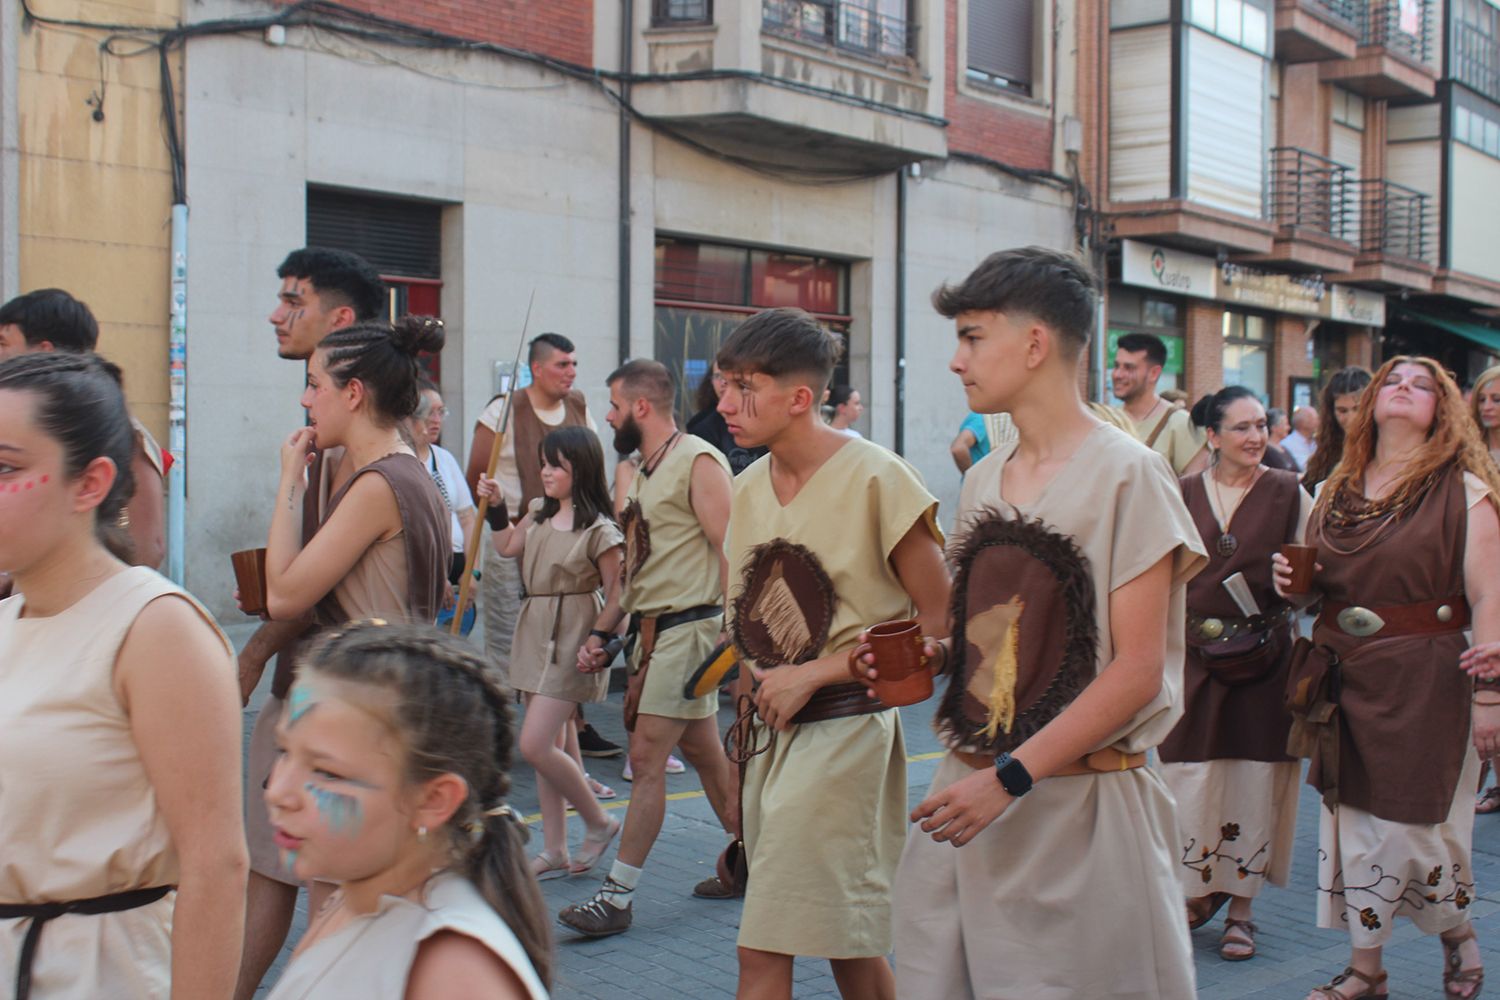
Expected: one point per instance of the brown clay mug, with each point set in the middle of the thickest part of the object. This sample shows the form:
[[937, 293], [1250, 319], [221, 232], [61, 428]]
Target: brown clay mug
[[1304, 560], [902, 674], [250, 577]]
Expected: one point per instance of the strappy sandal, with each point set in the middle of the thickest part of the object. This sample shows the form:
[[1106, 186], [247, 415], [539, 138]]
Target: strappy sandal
[[1454, 974], [1238, 941], [593, 849], [1202, 909], [1331, 991], [1488, 802], [549, 866]]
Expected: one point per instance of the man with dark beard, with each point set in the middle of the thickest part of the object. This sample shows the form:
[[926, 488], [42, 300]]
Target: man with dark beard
[[674, 578]]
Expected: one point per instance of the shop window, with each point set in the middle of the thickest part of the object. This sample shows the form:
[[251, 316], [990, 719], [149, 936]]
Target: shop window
[[1133, 311], [705, 290], [1000, 38], [1247, 352], [669, 13]]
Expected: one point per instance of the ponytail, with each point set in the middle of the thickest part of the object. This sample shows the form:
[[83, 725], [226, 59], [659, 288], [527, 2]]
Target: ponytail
[[498, 867]]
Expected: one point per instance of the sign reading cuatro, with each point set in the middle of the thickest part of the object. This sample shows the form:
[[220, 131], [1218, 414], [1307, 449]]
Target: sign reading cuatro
[[1178, 273]]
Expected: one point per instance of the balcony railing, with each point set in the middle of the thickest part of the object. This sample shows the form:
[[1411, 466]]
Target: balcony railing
[[1348, 11], [1309, 191], [1400, 26], [669, 13], [1476, 56], [842, 24], [1392, 219]]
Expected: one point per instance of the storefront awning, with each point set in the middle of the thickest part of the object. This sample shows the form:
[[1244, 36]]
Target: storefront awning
[[1483, 336]]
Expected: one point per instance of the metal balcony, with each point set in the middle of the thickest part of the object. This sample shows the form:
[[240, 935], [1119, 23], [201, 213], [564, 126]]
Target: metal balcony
[[1393, 221], [844, 25], [1315, 30], [1309, 192], [1395, 53], [1404, 28]]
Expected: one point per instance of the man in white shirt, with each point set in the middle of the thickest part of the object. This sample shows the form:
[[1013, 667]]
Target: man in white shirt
[[1303, 441]]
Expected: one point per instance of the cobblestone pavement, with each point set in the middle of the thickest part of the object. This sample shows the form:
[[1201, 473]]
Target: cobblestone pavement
[[681, 948]]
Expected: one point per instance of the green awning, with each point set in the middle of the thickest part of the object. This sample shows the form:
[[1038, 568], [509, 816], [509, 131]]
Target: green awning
[[1484, 336]]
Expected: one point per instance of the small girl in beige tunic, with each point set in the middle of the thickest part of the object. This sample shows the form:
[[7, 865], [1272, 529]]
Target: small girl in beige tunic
[[569, 547]]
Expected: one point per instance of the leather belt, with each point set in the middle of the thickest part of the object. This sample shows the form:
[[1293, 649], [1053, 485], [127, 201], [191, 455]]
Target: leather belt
[[1448, 614], [41, 913], [839, 701], [1213, 628], [672, 619], [1106, 761]]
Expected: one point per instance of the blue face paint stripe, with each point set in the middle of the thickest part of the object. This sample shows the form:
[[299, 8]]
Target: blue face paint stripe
[[299, 703], [340, 813]]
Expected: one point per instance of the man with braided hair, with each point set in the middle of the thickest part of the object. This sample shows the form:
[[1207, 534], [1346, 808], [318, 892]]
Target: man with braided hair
[[674, 580], [828, 535]]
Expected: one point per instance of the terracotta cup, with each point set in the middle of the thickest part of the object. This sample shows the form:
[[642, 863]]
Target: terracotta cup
[[903, 677], [1304, 559], [250, 577]]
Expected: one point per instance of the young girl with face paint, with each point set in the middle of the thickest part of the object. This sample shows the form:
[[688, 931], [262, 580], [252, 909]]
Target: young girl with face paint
[[391, 777], [570, 549], [123, 873]]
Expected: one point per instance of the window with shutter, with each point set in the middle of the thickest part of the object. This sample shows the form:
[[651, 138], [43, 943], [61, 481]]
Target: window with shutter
[[396, 235], [1000, 42]]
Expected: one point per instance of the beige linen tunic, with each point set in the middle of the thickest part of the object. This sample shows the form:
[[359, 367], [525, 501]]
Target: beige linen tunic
[[1178, 441], [370, 958], [1073, 891], [78, 816], [561, 573], [825, 807], [678, 569]]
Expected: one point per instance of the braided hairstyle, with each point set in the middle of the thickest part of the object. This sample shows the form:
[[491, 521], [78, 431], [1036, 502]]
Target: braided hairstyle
[[454, 719], [383, 356], [81, 406]]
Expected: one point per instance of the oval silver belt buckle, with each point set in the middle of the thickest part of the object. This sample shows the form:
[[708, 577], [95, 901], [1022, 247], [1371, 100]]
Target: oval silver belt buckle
[[1360, 621]]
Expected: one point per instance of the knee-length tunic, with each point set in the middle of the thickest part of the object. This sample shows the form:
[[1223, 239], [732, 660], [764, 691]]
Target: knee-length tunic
[[1398, 842], [561, 572], [1226, 761]]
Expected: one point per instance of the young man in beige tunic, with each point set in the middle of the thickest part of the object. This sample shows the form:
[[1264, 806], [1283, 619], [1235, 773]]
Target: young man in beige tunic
[[674, 580], [1064, 881], [1167, 430], [828, 535]]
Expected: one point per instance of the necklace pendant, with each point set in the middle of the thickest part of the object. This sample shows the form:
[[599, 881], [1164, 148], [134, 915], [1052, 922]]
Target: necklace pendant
[[1227, 545]]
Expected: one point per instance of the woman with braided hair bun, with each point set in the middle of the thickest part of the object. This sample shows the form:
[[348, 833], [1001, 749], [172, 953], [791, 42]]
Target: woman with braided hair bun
[[392, 778]]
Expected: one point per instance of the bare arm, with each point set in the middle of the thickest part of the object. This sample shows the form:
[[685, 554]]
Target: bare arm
[[147, 507], [1481, 555], [466, 525], [454, 966], [710, 491], [959, 449], [479, 456], [266, 642], [175, 680], [1138, 629]]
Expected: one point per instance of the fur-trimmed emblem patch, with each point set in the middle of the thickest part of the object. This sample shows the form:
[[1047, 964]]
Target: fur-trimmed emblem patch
[[637, 539], [784, 611], [1025, 638]]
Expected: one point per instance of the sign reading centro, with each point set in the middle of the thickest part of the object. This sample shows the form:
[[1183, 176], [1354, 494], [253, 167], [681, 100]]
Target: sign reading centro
[[1179, 273]]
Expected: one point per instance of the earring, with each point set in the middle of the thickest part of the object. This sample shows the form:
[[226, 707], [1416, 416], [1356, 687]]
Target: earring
[[421, 833]]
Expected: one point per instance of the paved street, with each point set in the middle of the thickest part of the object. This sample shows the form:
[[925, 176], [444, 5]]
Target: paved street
[[683, 948]]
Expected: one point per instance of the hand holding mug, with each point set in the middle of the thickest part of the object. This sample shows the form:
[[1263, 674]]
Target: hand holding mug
[[891, 660]]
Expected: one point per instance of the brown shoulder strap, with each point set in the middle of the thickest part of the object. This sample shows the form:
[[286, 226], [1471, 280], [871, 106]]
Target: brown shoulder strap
[[1161, 425]]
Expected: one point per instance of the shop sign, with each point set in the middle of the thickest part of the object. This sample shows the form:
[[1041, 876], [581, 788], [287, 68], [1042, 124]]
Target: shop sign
[[1170, 271], [1180, 273]]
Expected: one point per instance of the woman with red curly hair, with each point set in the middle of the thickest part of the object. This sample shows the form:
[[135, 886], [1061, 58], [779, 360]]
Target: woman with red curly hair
[[1407, 535]]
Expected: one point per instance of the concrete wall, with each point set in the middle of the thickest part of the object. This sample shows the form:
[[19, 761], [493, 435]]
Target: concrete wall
[[88, 204], [525, 160]]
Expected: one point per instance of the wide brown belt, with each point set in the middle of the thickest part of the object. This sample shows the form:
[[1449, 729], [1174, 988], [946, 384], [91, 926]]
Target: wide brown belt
[[1448, 614], [1103, 761], [839, 701]]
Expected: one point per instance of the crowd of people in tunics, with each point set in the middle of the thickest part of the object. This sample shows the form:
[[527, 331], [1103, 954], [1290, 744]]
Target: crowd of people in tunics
[[1114, 620]]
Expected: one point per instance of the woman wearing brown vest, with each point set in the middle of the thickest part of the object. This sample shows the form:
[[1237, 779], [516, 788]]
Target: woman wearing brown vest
[[1407, 538], [1226, 762]]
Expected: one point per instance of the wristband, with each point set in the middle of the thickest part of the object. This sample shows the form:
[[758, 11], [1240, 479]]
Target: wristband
[[601, 635], [497, 517]]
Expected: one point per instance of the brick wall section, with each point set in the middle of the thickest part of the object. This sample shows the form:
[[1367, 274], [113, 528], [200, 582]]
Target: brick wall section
[[988, 129], [562, 29], [1289, 357], [1204, 364]]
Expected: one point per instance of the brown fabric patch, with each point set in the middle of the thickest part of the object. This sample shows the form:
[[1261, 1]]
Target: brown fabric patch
[[637, 539], [784, 611], [1023, 601]]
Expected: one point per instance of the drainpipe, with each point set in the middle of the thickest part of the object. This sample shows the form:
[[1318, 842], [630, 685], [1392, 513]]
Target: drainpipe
[[177, 409], [900, 439], [627, 64]]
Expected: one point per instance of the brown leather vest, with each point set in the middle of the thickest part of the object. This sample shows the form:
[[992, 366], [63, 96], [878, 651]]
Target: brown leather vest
[[1247, 721], [1403, 703], [529, 431]]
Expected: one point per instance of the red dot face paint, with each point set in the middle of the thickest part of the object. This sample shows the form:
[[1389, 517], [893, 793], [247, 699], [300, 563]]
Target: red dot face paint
[[44, 479]]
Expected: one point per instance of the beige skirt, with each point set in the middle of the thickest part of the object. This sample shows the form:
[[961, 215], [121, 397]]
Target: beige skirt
[[679, 651], [825, 817], [1373, 870], [1236, 820]]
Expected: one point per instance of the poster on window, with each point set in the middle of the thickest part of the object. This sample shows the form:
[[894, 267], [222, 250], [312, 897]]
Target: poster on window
[[1411, 17]]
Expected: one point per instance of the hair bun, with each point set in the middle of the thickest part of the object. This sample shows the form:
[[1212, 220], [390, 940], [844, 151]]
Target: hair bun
[[417, 334]]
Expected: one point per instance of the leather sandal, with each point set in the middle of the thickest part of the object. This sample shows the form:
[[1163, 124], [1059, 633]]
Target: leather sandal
[[1454, 974], [1488, 802], [1332, 990], [593, 848], [1202, 909], [1238, 942], [714, 888], [548, 866]]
